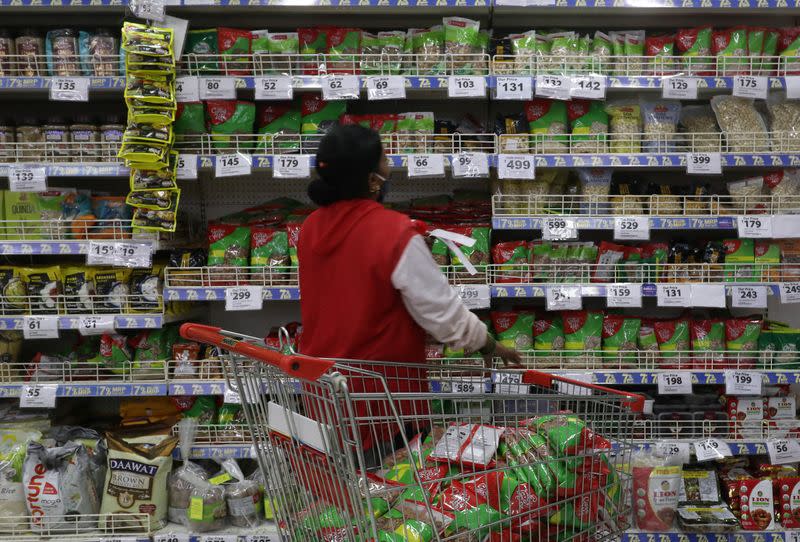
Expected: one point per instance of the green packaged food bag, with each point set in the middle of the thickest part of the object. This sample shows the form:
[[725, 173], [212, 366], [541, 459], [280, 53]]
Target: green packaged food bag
[[547, 123], [189, 119], [525, 48], [601, 51], [204, 409], [582, 330], [234, 47], [514, 329], [478, 254], [620, 333], [22, 208], [739, 260], [473, 519], [279, 129], [269, 247], [462, 41], [200, 51], [589, 125], [694, 44], [229, 245], [428, 44], [779, 348], [729, 45], [228, 118], [343, 46], [767, 65], [319, 116]]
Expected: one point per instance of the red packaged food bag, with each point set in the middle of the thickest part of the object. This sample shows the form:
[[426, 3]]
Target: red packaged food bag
[[655, 496], [608, 256], [757, 504], [512, 257], [344, 44], [781, 408], [695, 45], [235, 47], [789, 502], [458, 497], [729, 45], [268, 112], [746, 415], [660, 46]]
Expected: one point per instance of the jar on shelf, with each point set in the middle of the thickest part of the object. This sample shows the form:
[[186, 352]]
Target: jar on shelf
[[6, 51], [62, 52], [30, 139], [85, 138], [30, 52], [111, 138], [103, 48], [56, 135], [7, 139]]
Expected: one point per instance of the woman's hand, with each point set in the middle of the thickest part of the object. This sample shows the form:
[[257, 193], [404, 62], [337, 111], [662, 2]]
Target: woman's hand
[[509, 356]]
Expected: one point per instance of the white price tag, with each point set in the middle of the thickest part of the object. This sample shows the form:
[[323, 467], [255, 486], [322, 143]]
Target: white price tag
[[340, 87], [556, 87], [152, 10], [474, 296], [792, 89], [783, 451], [244, 298], [69, 89], [470, 164], [591, 87], [40, 327], [516, 166], [38, 396], [425, 165], [275, 87], [750, 86], [171, 537], [703, 163], [708, 295], [233, 165], [632, 228], [752, 297], [563, 298], [386, 87], [133, 254], [711, 448], [291, 166], [263, 538], [218, 538], [675, 383], [513, 88], [558, 228], [27, 178], [791, 536], [754, 226], [676, 453], [742, 382], [187, 88], [624, 295], [101, 253], [466, 86], [232, 397], [790, 292], [509, 383], [217, 88], [674, 295], [96, 324], [679, 88], [467, 386], [187, 166]]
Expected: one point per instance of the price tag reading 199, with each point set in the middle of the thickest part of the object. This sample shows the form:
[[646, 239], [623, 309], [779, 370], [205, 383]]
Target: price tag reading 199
[[742, 383]]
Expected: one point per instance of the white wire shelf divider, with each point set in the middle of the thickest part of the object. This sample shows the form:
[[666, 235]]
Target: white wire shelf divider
[[97, 527], [209, 277], [633, 360], [664, 273], [59, 151], [539, 204], [120, 303], [416, 65], [58, 228]]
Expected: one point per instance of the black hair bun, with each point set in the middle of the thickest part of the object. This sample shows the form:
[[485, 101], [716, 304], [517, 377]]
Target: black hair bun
[[322, 193]]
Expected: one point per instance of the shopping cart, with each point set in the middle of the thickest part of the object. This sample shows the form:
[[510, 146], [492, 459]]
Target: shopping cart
[[361, 451]]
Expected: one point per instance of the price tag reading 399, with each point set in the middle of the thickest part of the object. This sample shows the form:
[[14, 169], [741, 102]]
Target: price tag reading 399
[[675, 383], [703, 163], [516, 166], [560, 298]]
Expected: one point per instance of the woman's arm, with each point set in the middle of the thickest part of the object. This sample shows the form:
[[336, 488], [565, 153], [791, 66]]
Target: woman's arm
[[434, 305]]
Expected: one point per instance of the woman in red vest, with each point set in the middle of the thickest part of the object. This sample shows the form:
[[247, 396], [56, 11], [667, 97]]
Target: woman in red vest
[[370, 289]]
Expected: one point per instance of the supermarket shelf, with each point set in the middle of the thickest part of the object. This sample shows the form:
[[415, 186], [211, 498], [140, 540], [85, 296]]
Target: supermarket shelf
[[741, 536], [535, 6], [218, 294], [523, 291], [267, 531], [73, 322], [89, 168], [45, 82], [115, 526], [67, 237], [565, 4], [635, 377]]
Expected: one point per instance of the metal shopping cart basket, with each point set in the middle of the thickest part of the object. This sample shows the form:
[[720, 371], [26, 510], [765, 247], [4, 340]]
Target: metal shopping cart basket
[[367, 451]]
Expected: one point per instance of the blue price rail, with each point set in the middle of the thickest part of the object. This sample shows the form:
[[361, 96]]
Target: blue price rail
[[524, 291], [755, 536], [43, 83], [633, 377], [125, 321], [218, 294], [607, 223], [110, 389]]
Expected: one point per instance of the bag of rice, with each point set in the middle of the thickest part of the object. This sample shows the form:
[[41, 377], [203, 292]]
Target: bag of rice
[[13, 444], [547, 121], [136, 480]]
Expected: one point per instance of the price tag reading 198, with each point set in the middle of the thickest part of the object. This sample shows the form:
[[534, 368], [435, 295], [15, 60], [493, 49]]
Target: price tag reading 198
[[675, 383], [516, 166]]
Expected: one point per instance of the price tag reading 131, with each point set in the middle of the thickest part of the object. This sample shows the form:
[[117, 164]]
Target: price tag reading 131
[[673, 295]]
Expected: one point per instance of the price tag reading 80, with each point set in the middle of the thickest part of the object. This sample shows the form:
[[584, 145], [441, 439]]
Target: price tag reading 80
[[217, 88]]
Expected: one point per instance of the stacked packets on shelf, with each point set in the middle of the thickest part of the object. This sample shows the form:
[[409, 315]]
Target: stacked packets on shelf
[[148, 138]]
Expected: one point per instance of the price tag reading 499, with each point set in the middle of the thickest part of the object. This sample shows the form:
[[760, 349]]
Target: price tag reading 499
[[516, 166]]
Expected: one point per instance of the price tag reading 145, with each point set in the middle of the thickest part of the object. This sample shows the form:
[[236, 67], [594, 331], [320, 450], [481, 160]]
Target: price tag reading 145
[[232, 165]]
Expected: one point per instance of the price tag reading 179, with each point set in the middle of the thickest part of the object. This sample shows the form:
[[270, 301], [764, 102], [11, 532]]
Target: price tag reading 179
[[711, 448], [755, 226], [70, 89], [291, 166]]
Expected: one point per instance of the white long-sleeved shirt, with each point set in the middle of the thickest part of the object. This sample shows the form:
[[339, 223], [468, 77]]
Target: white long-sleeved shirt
[[432, 303]]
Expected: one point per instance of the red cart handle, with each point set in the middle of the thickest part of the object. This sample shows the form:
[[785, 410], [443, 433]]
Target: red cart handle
[[633, 401], [303, 367]]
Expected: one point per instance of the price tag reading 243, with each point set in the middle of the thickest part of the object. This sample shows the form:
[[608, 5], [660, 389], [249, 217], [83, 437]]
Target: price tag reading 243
[[561, 298]]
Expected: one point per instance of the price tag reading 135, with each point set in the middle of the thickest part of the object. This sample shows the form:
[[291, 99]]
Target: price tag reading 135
[[69, 89]]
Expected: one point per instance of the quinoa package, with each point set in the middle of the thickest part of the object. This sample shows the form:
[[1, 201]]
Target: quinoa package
[[672, 337], [589, 126], [514, 329], [582, 330], [60, 488], [462, 44], [136, 480], [547, 120], [43, 288], [660, 120], [625, 126]]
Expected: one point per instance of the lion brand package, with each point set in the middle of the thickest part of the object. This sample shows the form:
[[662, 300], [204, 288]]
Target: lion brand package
[[789, 502], [656, 490], [59, 487], [757, 504], [136, 479]]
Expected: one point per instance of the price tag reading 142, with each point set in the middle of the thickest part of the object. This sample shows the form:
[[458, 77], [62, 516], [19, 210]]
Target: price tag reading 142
[[591, 87], [675, 383]]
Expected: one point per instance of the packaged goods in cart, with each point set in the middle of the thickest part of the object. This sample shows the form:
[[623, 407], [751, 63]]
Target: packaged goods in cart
[[655, 492]]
